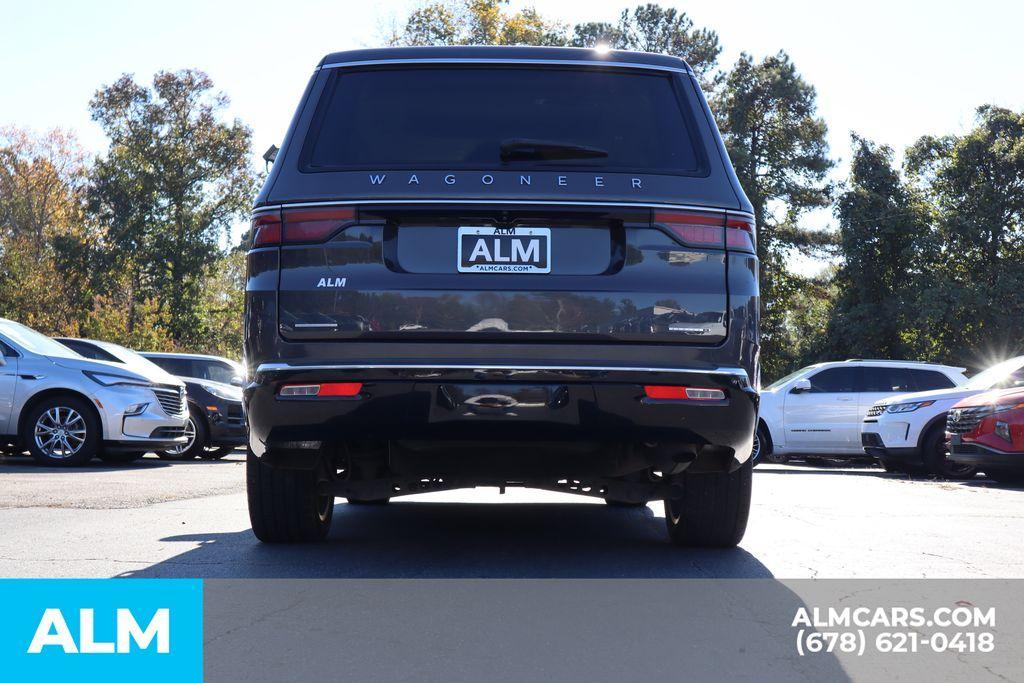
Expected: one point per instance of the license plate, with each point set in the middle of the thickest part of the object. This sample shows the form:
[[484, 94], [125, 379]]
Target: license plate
[[504, 250]]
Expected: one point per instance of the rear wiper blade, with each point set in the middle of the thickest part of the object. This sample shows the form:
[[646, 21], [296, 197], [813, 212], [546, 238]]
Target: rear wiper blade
[[520, 149]]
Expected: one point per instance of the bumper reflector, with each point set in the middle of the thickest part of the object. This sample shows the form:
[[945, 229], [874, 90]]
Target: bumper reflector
[[324, 389], [676, 393]]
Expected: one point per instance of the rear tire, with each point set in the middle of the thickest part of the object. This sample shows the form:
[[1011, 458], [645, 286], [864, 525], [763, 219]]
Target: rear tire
[[121, 457], [711, 510], [936, 457], [283, 504], [71, 421]]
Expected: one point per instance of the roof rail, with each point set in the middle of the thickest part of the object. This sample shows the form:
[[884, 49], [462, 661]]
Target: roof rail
[[888, 360]]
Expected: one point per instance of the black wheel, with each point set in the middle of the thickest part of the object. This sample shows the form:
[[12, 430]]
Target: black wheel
[[215, 452], [368, 501], [711, 510], [196, 435], [284, 506], [892, 468], [936, 457], [62, 431], [1006, 476], [121, 457], [763, 451]]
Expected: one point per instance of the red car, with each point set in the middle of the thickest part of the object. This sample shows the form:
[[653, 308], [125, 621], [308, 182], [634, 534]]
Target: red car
[[987, 430]]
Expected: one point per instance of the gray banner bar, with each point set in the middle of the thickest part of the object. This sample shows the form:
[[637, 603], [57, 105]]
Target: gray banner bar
[[609, 629]]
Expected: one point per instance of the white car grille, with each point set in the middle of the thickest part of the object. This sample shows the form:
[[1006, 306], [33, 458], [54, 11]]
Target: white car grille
[[172, 400]]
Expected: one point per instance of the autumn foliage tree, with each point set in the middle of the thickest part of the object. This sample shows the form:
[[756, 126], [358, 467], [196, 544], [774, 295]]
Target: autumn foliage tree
[[174, 179], [45, 245]]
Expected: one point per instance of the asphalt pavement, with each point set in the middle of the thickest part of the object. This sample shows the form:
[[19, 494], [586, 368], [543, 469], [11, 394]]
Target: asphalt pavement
[[169, 519]]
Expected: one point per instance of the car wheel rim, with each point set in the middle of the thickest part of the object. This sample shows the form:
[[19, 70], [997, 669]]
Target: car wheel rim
[[60, 432], [755, 452], [190, 438]]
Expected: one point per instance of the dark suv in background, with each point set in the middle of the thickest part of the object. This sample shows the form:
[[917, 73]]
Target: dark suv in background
[[502, 266], [216, 423]]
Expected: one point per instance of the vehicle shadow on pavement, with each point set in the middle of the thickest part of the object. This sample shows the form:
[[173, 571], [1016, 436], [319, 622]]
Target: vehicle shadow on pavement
[[25, 465], [985, 483], [465, 540]]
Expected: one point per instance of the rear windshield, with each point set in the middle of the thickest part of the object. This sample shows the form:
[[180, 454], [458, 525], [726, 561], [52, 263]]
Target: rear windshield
[[460, 117]]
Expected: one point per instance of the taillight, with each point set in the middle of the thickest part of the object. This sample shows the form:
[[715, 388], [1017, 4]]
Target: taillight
[[300, 225], [266, 228], [739, 232], [679, 393], [315, 225], [693, 227], [321, 390], [709, 229]]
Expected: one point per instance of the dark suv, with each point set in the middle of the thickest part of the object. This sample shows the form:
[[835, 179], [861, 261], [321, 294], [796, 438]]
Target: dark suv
[[502, 266], [216, 424]]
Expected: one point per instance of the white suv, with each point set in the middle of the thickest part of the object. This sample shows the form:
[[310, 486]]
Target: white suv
[[907, 432], [818, 410]]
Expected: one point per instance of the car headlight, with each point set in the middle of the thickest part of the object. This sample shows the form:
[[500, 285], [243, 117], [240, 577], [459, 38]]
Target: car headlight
[[1002, 430], [109, 380], [227, 393], [907, 407], [137, 409]]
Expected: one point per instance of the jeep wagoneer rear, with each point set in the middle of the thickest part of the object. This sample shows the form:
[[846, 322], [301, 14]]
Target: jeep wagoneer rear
[[502, 267]]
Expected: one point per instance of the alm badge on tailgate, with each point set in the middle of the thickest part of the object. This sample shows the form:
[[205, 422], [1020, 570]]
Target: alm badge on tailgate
[[487, 249]]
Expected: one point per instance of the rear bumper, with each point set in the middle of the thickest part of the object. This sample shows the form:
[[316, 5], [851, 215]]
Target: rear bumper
[[976, 454], [502, 405]]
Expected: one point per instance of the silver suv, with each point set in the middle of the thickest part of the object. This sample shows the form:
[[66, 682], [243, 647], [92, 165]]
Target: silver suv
[[66, 409]]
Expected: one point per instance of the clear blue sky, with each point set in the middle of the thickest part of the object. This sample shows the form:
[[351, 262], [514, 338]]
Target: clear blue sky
[[891, 70]]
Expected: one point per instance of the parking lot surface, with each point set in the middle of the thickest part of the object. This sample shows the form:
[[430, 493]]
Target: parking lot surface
[[170, 519]]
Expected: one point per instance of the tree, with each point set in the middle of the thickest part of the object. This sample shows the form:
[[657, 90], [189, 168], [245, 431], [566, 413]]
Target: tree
[[222, 307], [768, 116], [44, 241], [477, 22], [173, 180], [975, 185], [652, 28], [887, 245]]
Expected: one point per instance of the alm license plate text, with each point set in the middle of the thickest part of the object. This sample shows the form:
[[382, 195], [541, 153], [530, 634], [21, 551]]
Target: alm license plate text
[[504, 250]]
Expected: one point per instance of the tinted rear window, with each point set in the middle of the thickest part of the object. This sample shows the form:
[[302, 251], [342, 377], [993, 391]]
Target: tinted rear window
[[927, 380], [182, 367], [458, 117], [887, 379]]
